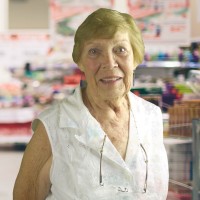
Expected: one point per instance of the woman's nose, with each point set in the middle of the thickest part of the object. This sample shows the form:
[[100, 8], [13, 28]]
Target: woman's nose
[[109, 60]]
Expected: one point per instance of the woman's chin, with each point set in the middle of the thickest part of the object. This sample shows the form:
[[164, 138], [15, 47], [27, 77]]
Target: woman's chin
[[111, 94]]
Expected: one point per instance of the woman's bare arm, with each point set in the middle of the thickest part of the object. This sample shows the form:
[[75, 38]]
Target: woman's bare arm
[[33, 181]]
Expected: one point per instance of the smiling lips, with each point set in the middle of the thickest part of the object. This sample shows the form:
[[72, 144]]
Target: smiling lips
[[110, 79]]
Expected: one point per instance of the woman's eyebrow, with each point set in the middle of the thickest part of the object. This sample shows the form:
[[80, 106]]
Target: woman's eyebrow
[[93, 44], [121, 41], [99, 44]]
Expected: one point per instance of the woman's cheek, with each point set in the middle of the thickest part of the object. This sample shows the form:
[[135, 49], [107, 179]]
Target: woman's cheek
[[129, 81]]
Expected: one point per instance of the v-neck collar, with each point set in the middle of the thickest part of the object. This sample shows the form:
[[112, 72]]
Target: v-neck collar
[[74, 114]]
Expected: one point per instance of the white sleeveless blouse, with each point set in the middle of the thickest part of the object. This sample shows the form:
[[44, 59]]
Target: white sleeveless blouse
[[76, 139]]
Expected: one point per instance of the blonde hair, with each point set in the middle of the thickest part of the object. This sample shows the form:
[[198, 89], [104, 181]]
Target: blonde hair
[[104, 23]]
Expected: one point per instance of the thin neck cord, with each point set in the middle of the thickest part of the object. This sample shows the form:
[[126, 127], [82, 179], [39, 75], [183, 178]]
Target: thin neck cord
[[170, 180], [101, 152], [146, 159], [145, 153], [135, 125]]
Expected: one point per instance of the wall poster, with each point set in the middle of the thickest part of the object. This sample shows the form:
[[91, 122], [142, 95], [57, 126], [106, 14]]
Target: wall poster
[[198, 10], [66, 16], [165, 25], [162, 21]]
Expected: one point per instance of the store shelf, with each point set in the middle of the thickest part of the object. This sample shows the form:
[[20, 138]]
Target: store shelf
[[170, 64], [196, 159], [15, 125], [176, 140], [16, 115], [14, 140], [184, 165], [179, 151]]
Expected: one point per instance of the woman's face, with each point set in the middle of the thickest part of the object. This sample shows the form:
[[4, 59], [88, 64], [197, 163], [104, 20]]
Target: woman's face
[[108, 66]]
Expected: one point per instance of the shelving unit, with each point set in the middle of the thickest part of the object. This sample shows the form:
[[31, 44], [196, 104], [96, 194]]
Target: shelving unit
[[156, 70], [170, 64], [196, 159], [190, 189], [15, 125], [34, 93], [183, 153], [165, 69], [179, 151]]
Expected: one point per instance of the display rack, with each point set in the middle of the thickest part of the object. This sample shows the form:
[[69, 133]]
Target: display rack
[[196, 159], [169, 64], [183, 152], [15, 125], [165, 69]]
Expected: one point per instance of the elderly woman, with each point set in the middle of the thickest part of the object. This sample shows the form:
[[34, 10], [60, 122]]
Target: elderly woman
[[102, 142]]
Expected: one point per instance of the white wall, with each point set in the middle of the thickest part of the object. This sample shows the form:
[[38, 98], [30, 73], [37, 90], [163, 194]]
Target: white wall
[[195, 20], [121, 5], [28, 14], [3, 15], [34, 14]]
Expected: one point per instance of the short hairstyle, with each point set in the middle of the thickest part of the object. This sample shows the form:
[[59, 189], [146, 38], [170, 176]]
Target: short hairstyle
[[104, 23]]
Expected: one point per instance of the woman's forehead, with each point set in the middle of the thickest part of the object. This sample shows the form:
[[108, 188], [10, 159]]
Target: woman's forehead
[[116, 38]]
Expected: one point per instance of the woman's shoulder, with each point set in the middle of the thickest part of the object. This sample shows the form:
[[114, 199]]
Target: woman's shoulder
[[49, 111], [47, 114], [53, 109], [143, 103], [59, 108]]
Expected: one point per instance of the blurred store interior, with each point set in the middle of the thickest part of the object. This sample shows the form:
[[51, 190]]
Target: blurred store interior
[[36, 70]]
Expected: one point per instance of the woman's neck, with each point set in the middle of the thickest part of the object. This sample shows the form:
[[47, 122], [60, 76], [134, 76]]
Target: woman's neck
[[110, 108]]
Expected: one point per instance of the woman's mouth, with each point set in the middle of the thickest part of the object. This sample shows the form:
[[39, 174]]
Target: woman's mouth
[[110, 79]]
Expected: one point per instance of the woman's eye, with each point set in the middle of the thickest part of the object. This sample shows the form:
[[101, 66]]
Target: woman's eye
[[94, 52], [120, 50]]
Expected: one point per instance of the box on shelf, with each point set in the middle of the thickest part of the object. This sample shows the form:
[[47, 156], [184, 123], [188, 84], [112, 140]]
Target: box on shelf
[[179, 153], [181, 116]]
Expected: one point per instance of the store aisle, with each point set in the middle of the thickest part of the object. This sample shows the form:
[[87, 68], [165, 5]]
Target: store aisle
[[9, 166]]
